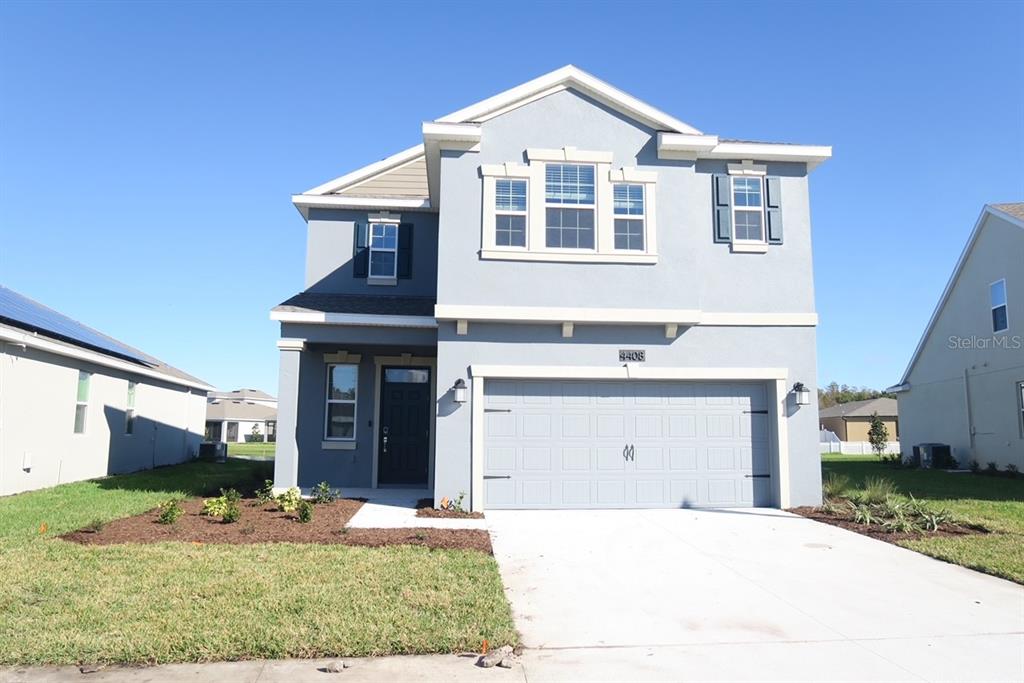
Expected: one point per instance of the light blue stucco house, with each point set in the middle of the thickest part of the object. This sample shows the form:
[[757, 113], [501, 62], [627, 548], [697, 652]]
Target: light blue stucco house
[[562, 298]]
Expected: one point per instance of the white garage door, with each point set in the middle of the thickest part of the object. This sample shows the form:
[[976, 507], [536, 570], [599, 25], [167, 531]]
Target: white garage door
[[575, 444]]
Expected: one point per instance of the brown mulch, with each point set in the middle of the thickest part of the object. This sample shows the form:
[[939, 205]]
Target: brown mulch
[[880, 533], [266, 524], [425, 508]]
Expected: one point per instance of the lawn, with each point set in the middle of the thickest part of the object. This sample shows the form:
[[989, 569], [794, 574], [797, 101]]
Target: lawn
[[994, 502], [256, 449], [64, 603]]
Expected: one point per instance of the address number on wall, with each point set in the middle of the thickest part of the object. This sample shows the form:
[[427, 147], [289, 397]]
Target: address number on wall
[[632, 355]]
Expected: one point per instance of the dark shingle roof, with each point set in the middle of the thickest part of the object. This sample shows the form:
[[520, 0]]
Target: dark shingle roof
[[885, 407], [239, 410], [365, 304]]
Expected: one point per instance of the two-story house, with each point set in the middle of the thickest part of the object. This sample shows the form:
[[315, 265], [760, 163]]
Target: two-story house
[[562, 298]]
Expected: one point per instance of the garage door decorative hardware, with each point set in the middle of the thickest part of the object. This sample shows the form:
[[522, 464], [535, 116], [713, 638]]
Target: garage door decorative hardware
[[629, 452], [497, 476], [755, 412], [757, 476], [497, 410]]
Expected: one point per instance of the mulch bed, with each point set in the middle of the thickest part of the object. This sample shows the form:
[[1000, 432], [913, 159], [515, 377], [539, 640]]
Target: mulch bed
[[425, 508], [267, 524], [880, 533]]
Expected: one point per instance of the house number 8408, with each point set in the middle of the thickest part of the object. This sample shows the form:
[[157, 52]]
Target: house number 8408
[[632, 355]]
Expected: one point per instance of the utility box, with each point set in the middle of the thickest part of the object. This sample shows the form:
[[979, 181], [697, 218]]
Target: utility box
[[931, 455], [214, 451]]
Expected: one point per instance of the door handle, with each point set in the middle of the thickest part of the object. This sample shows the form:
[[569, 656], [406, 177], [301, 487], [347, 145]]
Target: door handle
[[632, 452], [625, 452]]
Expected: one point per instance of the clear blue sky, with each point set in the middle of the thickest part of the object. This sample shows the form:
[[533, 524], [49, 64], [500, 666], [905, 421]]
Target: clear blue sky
[[148, 151]]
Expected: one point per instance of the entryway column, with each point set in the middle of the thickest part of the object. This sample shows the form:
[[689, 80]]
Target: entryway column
[[286, 455]]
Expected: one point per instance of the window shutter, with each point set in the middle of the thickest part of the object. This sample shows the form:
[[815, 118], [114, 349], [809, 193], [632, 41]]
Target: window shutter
[[405, 250], [722, 200], [773, 204], [360, 251]]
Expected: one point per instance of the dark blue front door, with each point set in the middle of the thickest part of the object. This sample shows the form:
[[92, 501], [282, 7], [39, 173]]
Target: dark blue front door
[[404, 431]]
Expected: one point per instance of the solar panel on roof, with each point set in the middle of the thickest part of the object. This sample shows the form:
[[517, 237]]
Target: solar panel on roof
[[20, 311]]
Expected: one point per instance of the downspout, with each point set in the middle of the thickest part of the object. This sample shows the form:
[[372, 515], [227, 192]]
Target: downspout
[[970, 415]]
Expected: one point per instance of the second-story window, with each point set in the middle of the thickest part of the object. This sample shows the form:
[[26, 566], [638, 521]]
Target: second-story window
[[383, 250], [628, 201], [569, 206], [997, 297], [510, 213], [747, 209]]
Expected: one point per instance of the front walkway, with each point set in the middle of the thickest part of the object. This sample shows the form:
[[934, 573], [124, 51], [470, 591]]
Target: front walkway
[[395, 508], [745, 594]]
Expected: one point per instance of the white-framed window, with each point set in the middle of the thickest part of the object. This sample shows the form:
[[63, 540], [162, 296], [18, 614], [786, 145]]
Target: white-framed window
[[628, 201], [748, 209], [129, 412], [997, 299], [510, 212], [569, 206], [383, 250], [340, 409], [82, 401]]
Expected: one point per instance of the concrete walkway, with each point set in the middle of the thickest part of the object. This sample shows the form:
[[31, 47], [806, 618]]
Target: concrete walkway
[[396, 509], [745, 595]]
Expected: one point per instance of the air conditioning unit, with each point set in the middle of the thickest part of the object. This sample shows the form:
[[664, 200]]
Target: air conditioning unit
[[215, 451], [930, 455]]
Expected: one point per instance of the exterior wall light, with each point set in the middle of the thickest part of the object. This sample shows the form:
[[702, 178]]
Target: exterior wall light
[[802, 393], [460, 390]]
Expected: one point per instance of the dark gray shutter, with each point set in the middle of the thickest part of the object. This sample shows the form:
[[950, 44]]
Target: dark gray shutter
[[405, 250], [774, 205], [360, 251], [722, 200]]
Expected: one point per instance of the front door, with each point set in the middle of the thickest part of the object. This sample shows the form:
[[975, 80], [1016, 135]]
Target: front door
[[403, 438]]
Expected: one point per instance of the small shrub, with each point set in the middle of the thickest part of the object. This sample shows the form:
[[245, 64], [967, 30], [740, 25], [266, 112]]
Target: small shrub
[[289, 500], [322, 493], [933, 521], [1011, 471], [975, 467], [892, 459], [456, 504], [835, 485], [305, 510], [863, 514], [215, 507], [231, 495], [991, 468], [901, 525], [265, 493], [170, 511], [95, 526], [344, 530], [420, 536], [876, 490], [232, 513]]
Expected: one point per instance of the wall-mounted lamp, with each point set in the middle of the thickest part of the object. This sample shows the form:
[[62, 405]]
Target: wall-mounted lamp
[[802, 393], [460, 390]]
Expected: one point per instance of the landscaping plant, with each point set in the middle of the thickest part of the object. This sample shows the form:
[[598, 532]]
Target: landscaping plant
[[991, 468], [322, 493], [835, 485], [265, 493], [170, 511], [232, 513], [878, 435], [225, 506], [1011, 471], [305, 511], [289, 500], [876, 490], [95, 526]]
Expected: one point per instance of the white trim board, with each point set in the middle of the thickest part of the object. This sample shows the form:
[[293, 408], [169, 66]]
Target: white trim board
[[355, 319], [904, 383], [405, 360], [678, 146], [307, 201], [18, 337], [368, 171], [619, 316]]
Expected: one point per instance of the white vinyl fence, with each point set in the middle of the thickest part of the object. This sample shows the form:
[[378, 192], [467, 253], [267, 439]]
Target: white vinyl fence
[[855, 447]]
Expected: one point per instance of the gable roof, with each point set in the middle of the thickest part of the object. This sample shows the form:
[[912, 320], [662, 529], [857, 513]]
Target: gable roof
[[28, 322], [885, 407], [1012, 213], [242, 394], [239, 410]]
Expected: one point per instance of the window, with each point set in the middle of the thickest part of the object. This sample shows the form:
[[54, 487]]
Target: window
[[510, 213], [82, 401], [628, 200], [232, 432], [569, 199], [129, 413], [340, 421], [997, 298], [747, 209], [384, 250]]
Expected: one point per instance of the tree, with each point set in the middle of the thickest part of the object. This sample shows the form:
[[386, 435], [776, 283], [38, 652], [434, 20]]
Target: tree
[[878, 435]]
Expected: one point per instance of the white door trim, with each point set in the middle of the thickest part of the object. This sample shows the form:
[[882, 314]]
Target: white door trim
[[479, 375], [408, 360]]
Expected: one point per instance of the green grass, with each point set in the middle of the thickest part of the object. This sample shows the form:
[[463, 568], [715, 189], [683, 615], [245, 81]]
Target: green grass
[[63, 603], [261, 450], [997, 503]]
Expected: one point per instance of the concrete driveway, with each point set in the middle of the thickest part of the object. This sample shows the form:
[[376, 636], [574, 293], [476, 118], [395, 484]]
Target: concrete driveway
[[744, 595]]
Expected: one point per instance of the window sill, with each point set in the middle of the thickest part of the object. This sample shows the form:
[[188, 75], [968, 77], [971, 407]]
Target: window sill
[[755, 248], [568, 257], [338, 445], [382, 281]]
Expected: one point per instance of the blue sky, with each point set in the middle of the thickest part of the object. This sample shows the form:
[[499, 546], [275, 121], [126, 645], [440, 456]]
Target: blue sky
[[148, 151]]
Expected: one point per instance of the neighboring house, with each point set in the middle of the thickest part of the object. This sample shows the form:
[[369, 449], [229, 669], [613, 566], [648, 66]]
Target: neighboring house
[[563, 298], [77, 404], [231, 416], [964, 385], [851, 421]]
